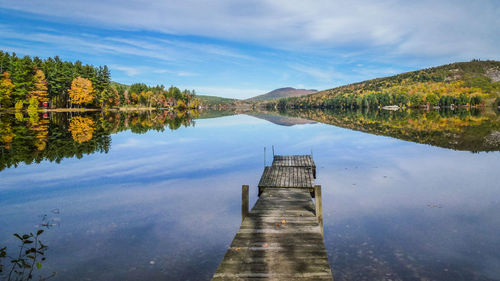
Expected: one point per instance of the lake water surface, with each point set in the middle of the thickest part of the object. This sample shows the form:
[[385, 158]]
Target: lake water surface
[[165, 205]]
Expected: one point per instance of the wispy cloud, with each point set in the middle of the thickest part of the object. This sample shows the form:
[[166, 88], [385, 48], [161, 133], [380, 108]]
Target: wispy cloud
[[178, 73], [407, 27], [240, 49], [130, 71], [323, 75]]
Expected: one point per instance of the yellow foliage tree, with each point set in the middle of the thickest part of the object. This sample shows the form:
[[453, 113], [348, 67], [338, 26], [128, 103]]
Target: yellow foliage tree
[[6, 87], [81, 128], [41, 131], [40, 83], [134, 97], [81, 91]]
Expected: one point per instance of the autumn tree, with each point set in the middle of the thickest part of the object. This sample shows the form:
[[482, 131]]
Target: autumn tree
[[113, 97], [6, 87], [40, 128], [134, 98], [6, 135], [33, 105], [40, 87], [81, 91], [81, 128]]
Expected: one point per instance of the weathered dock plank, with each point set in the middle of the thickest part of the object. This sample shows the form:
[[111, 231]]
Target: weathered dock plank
[[281, 238], [295, 161], [288, 177]]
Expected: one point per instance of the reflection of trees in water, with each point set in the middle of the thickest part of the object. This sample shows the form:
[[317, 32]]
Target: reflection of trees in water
[[55, 136], [458, 129], [81, 128], [40, 129]]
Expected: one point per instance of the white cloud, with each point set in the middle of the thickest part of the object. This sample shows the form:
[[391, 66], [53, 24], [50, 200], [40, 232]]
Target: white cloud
[[168, 51], [130, 71], [324, 75], [424, 28]]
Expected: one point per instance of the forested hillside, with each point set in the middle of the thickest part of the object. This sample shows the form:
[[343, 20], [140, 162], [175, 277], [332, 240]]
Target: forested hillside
[[214, 100], [475, 83], [33, 82]]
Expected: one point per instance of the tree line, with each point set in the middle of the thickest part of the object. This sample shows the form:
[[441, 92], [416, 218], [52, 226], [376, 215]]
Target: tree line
[[31, 83]]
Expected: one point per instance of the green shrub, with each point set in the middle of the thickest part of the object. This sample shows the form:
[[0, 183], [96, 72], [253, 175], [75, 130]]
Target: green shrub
[[432, 99]]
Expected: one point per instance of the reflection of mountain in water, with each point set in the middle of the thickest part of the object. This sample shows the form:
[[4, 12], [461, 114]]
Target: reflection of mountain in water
[[280, 119], [207, 114], [470, 130], [55, 136]]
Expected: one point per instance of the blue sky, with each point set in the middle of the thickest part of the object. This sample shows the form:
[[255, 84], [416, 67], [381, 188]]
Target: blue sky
[[244, 48]]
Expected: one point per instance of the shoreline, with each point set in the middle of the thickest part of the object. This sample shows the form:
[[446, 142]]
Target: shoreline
[[90, 109]]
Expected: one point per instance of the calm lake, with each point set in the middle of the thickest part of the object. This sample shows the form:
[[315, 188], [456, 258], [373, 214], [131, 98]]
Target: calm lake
[[156, 196]]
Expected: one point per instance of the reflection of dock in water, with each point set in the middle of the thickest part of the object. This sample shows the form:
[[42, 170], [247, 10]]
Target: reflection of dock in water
[[281, 238]]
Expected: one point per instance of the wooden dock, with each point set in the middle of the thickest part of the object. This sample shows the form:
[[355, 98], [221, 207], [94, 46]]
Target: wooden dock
[[281, 238]]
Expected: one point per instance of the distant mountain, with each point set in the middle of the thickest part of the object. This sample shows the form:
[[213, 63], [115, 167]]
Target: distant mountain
[[282, 93]]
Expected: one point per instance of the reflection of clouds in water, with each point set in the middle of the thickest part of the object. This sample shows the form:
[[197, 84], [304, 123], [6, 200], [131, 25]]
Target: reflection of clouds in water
[[173, 197], [317, 141], [394, 210], [137, 143], [238, 121], [150, 158], [159, 221]]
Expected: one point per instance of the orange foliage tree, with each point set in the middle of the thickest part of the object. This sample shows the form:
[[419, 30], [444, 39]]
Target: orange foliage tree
[[81, 128], [81, 91]]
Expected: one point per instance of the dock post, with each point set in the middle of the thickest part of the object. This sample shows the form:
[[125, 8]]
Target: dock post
[[244, 202], [264, 156], [319, 207]]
